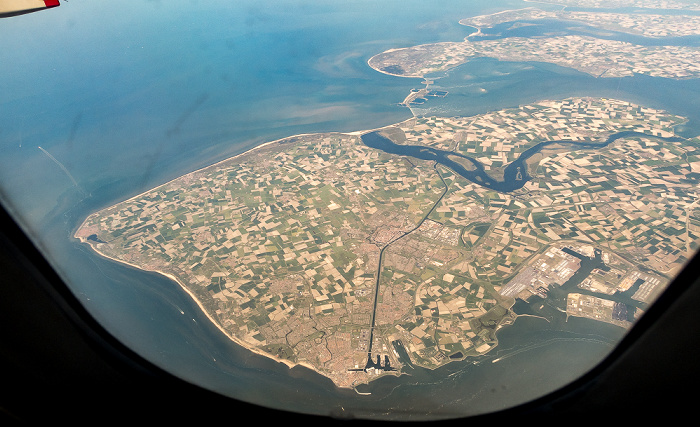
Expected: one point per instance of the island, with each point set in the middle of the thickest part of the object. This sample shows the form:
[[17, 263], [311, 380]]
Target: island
[[645, 24], [644, 4], [592, 52], [357, 254]]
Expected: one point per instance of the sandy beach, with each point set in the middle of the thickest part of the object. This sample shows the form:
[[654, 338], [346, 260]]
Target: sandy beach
[[390, 74], [82, 234], [236, 340]]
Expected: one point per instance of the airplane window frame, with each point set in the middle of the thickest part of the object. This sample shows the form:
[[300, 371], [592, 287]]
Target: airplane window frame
[[63, 355], [117, 377]]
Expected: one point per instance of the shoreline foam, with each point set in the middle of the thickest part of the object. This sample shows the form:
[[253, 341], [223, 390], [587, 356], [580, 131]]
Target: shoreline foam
[[213, 321], [174, 278]]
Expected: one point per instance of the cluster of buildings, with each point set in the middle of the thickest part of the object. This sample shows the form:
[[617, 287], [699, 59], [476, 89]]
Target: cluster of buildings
[[646, 24], [596, 56], [281, 246], [554, 267]]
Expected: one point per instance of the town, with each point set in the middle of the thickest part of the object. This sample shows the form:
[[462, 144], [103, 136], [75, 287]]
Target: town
[[308, 248], [597, 56]]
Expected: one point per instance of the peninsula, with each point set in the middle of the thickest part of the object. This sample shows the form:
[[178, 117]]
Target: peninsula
[[592, 52], [322, 251]]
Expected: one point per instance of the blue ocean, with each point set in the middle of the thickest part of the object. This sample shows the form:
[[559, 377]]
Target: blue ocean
[[99, 102]]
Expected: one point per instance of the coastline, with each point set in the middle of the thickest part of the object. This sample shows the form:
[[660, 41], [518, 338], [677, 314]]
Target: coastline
[[248, 151], [213, 321], [236, 340], [551, 3], [94, 246], [220, 162], [414, 76], [478, 29], [82, 235], [391, 74], [365, 131]]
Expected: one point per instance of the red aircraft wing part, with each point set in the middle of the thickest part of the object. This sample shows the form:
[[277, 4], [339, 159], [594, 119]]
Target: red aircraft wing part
[[19, 7]]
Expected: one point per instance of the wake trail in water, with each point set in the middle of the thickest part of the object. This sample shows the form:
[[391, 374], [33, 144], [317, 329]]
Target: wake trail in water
[[547, 342], [63, 168]]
